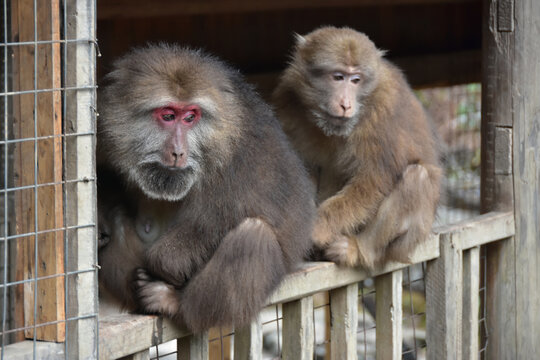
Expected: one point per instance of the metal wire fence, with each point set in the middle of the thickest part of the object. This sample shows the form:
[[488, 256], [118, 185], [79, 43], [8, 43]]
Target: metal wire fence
[[48, 251]]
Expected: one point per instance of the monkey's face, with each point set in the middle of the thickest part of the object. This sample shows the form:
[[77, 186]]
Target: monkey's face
[[160, 126], [339, 68]]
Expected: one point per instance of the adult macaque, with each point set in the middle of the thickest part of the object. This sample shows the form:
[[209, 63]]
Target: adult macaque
[[354, 119], [205, 206]]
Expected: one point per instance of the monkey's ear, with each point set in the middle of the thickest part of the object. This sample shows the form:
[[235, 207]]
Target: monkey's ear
[[300, 40], [381, 52]]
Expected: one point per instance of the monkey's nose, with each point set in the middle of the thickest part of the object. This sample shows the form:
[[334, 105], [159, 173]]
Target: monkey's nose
[[178, 159], [345, 107]]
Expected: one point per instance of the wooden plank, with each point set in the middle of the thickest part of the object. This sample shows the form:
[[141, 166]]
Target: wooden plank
[[124, 334], [441, 69], [121, 334], [46, 110], [389, 315], [471, 302], [298, 329], [322, 276], [481, 229], [130, 9], [193, 347], [344, 320], [80, 165], [248, 341], [526, 155], [444, 302]]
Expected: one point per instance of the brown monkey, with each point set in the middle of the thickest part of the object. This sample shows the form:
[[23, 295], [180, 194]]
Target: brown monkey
[[354, 119], [203, 202]]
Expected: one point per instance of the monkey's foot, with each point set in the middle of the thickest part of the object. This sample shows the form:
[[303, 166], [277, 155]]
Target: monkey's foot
[[349, 251], [155, 296], [321, 233], [343, 251]]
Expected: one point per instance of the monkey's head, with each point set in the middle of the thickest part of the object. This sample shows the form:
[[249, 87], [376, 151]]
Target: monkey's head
[[166, 116], [338, 69]]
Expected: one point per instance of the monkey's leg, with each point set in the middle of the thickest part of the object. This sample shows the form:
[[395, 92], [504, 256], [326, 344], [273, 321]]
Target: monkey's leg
[[232, 287], [403, 219], [420, 197], [353, 206]]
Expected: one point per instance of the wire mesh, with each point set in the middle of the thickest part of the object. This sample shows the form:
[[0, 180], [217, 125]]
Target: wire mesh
[[42, 227]]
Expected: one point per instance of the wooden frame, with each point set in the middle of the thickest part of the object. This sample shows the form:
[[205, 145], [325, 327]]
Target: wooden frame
[[122, 335]]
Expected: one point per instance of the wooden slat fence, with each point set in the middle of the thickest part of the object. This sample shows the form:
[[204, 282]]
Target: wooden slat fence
[[452, 291]]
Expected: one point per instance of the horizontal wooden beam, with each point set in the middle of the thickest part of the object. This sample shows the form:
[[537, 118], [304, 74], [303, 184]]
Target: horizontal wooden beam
[[124, 334], [481, 230], [441, 69], [133, 9]]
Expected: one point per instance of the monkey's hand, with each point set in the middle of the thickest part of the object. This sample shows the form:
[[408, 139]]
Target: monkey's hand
[[347, 251], [322, 234], [155, 296]]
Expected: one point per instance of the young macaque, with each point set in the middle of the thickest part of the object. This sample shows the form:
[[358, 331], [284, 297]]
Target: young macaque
[[354, 120], [204, 205]]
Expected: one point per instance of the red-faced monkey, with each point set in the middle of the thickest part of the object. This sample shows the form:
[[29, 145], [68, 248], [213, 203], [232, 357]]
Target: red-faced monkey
[[355, 121], [205, 207]]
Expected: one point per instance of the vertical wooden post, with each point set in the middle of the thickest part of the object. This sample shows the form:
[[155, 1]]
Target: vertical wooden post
[[389, 316], [344, 316], [80, 168], [471, 285], [298, 329], [526, 166], [444, 302], [248, 341], [38, 115], [193, 347], [510, 125]]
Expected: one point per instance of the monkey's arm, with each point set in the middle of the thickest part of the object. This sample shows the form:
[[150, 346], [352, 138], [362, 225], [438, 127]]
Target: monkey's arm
[[350, 208], [231, 288]]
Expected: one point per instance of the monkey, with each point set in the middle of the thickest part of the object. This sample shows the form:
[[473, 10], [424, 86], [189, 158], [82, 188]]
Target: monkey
[[368, 143], [205, 206]]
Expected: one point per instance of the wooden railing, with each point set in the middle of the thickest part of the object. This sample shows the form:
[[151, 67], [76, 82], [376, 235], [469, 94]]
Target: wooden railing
[[452, 300]]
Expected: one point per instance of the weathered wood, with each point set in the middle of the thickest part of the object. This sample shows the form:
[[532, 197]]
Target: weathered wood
[[344, 320], [526, 155], [444, 302], [121, 335], [298, 329], [481, 229], [471, 302], [39, 115], [389, 315], [126, 8], [80, 165], [248, 341], [193, 347], [323, 276], [510, 98]]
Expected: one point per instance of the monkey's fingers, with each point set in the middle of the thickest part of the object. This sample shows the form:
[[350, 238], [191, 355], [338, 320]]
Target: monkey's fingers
[[351, 251], [155, 296]]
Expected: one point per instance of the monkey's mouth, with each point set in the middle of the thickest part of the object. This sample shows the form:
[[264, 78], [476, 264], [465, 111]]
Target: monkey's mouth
[[338, 121], [164, 182]]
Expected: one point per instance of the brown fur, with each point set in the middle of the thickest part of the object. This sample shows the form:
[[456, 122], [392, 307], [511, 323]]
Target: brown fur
[[234, 227], [378, 181]]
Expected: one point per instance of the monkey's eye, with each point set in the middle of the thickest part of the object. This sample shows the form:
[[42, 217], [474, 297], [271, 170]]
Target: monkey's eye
[[189, 118], [338, 76], [168, 115], [355, 79]]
